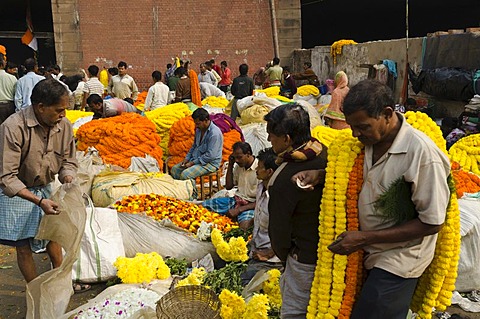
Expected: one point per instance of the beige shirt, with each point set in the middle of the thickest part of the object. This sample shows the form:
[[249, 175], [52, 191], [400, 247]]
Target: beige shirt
[[414, 156], [274, 73], [8, 83], [30, 156], [246, 180], [123, 87]]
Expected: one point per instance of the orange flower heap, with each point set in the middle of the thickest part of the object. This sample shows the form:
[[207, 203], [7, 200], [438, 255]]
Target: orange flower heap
[[183, 214], [182, 134], [465, 182], [119, 138]]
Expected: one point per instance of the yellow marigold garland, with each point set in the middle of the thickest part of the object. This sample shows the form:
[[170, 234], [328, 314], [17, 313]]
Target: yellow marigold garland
[[326, 134], [119, 138], [422, 122], [215, 101], [337, 47], [233, 250], [466, 151], [307, 89], [270, 91], [143, 268]]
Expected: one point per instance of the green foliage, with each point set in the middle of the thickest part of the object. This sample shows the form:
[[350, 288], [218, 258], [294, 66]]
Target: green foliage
[[238, 232], [227, 277], [177, 266], [396, 203]]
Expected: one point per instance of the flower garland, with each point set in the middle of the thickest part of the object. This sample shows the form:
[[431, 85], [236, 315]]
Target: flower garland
[[229, 138], [195, 88], [326, 135], [215, 101], [465, 182], [233, 250], [308, 89], [142, 96], [121, 137], [466, 151], [182, 134], [422, 122], [121, 305], [183, 214], [270, 91], [337, 48], [142, 268]]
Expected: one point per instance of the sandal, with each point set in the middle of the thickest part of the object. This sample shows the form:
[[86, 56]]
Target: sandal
[[79, 288]]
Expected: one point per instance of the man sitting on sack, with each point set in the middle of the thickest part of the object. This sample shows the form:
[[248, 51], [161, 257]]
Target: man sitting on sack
[[241, 172], [205, 155]]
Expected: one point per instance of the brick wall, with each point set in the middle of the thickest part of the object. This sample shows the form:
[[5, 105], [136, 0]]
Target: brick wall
[[147, 34]]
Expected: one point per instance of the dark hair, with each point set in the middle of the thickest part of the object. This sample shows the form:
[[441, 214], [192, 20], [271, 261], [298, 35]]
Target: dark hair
[[224, 63], [94, 98], [203, 64], [290, 119], [308, 64], [267, 157], [200, 114], [181, 71], [122, 63], [129, 100], [2, 59], [370, 96], [48, 92], [113, 71], [56, 67], [11, 65], [30, 64], [177, 71], [157, 76], [244, 146], [212, 61], [93, 70], [72, 81], [276, 61], [243, 69], [209, 64], [169, 65], [286, 68]]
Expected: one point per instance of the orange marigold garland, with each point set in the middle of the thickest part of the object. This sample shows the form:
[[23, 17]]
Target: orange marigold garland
[[182, 134], [195, 88], [121, 137], [465, 182]]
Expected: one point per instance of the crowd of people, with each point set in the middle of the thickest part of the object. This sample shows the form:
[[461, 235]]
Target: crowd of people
[[36, 142]]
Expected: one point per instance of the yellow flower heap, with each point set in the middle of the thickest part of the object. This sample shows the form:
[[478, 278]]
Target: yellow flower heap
[[234, 250], [466, 152], [337, 47], [270, 91], [215, 101], [143, 268], [438, 281], [74, 115], [308, 89], [164, 117], [271, 288]]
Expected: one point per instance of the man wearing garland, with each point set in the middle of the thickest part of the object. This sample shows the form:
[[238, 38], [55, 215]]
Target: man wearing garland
[[399, 242]]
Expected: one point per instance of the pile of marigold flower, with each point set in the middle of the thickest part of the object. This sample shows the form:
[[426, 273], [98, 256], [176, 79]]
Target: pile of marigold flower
[[327, 135], [338, 278], [142, 268], [120, 138], [466, 151], [465, 182], [270, 91], [74, 115], [182, 134], [215, 101], [308, 89], [183, 214], [164, 117]]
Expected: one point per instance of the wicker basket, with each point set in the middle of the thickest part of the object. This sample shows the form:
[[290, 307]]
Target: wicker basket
[[189, 302]]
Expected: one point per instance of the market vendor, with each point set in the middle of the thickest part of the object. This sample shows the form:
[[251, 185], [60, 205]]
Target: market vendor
[[307, 75], [293, 219], [398, 249], [241, 172], [205, 155], [36, 143], [109, 107]]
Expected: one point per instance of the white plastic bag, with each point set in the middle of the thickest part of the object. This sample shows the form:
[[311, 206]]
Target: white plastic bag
[[147, 164], [244, 103], [256, 135], [101, 245]]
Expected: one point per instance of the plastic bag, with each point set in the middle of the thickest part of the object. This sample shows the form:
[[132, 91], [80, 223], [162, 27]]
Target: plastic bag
[[142, 234], [254, 114], [244, 103], [48, 295], [256, 135], [101, 245], [313, 114], [147, 164]]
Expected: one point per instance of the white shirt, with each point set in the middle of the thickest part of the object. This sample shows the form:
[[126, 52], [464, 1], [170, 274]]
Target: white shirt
[[7, 86], [157, 96], [207, 89]]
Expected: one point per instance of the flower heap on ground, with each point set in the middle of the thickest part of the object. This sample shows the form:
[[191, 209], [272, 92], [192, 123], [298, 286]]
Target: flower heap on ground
[[233, 250], [215, 101], [465, 182], [140, 101], [337, 48], [182, 134], [142, 268], [270, 91], [308, 89], [466, 151], [121, 137], [330, 297], [164, 118], [183, 214]]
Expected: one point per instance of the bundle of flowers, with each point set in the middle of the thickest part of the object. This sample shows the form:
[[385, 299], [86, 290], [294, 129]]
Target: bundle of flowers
[[142, 268], [195, 88], [233, 250], [466, 151], [121, 305], [308, 89], [338, 278], [230, 138], [121, 137], [327, 135], [182, 134], [465, 182], [74, 115], [336, 48], [271, 288], [195, 278], [142, 96], [270, 91], [183, 214], [215, 101], [164, 117]]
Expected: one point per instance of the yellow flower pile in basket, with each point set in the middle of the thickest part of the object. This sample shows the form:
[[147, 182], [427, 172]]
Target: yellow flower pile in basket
[[338, 278]]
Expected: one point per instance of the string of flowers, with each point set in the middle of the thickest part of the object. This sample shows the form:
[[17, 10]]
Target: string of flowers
[[465, 182], [164, 118], [121, 137], [308, 89], [142, 268], [326, 134], [233, 250], [271, 91], [422, 122], [337, 48], [182, 134], [215, 101], [195, 88], [466, 151], [186, 215]]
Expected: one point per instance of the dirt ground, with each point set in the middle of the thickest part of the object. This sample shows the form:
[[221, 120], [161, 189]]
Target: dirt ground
[[12, 287]]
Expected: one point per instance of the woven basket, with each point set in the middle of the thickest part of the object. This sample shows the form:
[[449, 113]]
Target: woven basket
[[189, 302]]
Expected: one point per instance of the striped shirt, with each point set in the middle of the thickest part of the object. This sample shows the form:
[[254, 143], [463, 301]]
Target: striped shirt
[[93, 86]]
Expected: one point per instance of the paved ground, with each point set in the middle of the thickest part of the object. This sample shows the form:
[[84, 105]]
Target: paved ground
[[12, 287]]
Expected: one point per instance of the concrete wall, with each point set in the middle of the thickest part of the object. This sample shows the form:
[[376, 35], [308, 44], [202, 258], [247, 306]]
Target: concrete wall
[[289, 24]]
